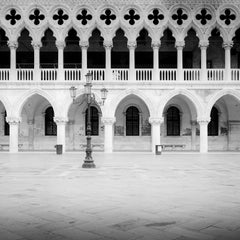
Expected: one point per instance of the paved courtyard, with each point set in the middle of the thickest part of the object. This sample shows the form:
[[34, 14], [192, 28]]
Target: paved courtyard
[[128, 196]]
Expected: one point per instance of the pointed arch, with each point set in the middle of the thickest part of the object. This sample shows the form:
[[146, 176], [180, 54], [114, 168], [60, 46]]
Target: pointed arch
[[198, 31], [214, 98], [111, 105], [223, 33], [23, 99], [196, 102]]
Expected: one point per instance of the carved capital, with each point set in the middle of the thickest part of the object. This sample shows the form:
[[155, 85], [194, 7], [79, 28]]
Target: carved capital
[[60, 44], [108, 121], [203, 121], [156, 45], [71, 122], [60, 120], [36, 45], [108, 44], [132, 44], [13, 120], [193, 122], [180, 44], [13, 44], [227, 45], [204, 44], [84, 44], [156, 121]]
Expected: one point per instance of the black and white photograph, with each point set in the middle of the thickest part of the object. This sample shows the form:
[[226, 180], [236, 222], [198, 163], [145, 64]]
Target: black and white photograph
[[119, 119]]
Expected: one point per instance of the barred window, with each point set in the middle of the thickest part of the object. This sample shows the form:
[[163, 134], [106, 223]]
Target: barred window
[[132, 121], [50, 125], [94, 116], [173, 122]]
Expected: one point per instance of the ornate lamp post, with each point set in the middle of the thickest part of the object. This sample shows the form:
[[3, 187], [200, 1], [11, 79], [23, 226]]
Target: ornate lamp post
[[90, 98]]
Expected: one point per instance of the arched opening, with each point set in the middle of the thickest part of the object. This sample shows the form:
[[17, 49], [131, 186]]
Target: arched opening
[[132, 130], [4, 129], [224, 125], [25, 53], [180, 123], [215, 51], [173, 121], [132, 121], [4, 50], [48, 51], [191, 51], [96, 50], [144, 51], [94, 119], [37, 127], [213, 124], [235, 50], [50, 125], [167, 51], [72, 51], [119, 51]]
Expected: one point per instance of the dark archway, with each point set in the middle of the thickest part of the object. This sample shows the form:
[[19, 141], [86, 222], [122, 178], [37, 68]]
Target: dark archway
[[132, 121], [50, 125], [94, 121], [4, 50], [173, 121]]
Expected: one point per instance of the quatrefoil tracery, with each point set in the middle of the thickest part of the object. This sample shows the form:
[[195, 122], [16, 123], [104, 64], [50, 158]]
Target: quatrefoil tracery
[[60, 17], [204, 16], [13, 16], [228, 16], [131, 16], [36, 17], [108, 17], [180, 16], [155, 16], [84, 17]]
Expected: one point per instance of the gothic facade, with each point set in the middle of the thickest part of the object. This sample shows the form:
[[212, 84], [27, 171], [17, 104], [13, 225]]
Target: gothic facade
[[171, 68]]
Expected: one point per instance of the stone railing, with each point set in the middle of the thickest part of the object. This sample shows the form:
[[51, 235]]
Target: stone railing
[[118, 75]]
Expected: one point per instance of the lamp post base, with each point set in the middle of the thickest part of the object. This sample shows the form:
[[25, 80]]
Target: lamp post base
[[88, 164]]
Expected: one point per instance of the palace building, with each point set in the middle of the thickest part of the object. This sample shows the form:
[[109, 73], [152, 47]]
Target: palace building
[[171, 68]]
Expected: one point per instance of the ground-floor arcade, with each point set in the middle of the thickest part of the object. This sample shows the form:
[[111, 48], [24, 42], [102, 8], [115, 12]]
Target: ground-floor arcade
[[131, 120]]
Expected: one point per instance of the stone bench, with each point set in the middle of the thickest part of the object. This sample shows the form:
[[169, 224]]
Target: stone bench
[[6, 145], [173, 146]]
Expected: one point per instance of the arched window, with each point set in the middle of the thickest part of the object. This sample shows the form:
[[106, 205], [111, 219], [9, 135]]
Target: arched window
[[173, 122], [213, 124], [94, 121], [50, 125], [6, 125], [132, 121]]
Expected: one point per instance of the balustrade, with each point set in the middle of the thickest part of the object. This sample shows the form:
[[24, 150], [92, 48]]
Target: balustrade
[[215, 74], [72, 74], [167, 74], [191, 74], [144, 74], [120, 74], [141, 75], [48, 74], [25, 74], [4, 74]]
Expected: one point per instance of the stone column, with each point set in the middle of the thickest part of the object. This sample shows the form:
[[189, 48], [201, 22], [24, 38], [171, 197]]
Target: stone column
[[203, 46], [108, 134], [84, 46], [61, 131], [193, 135], [60, 45], [36, 47], [2, 123], [108, 46], [180, 45], [31, 134], [132, 74], [155, 131], [227, 46], [13, 138], [13, 45], [155, 46], [203, 123]]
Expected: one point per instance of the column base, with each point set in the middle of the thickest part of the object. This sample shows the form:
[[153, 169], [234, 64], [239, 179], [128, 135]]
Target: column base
[[88, 164]]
